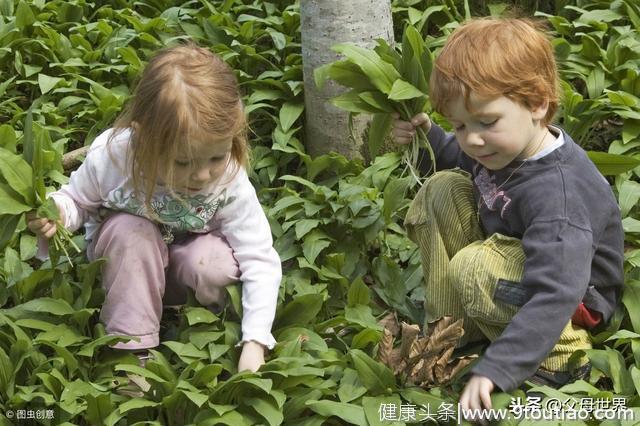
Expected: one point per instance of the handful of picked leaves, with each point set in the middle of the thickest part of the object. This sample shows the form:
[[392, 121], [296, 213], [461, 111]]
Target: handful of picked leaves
[[382, 82], [22, 187]]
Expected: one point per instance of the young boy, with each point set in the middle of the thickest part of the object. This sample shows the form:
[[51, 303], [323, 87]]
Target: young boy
[[525, 242]]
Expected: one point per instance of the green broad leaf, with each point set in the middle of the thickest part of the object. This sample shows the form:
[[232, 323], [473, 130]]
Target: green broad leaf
[[313, 244], [24, 15], [623, 98], [98, 408], [631, 225], [48, 209], [11, 202], [361, 315], [136, 403], [359, 293], [6, 373], [46, 83], [301, 310], [311, 340], [348, 74], [628, 196], [200, 316], [377, 100], [350, 413], [8, 138], [374, 375], [600, 15], [375, 406], [70, 361], [139, 371], [350, 386], [635, 376], [612, 164], [612, 363], [8, 224], [631, 300], [18, 175], [267, 409], [289, 113], [580, 387], [352, 102], [379, 130], [394, 197], [47, 305], [403, 90], [630, 131], [595, 83], [304, 226], [206, 375], [186, 351], [379, 73], [198, 398]]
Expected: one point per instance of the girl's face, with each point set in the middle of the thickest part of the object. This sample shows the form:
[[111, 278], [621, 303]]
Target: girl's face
[[203, 166], [498, 130]]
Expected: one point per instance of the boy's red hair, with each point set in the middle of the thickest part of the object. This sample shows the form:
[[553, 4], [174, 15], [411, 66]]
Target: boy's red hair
[[497, 57]]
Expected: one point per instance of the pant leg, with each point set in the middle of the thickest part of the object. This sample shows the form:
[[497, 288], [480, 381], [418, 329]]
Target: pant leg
[[133, 278], [441, 221], [205, 263], [497, 264]]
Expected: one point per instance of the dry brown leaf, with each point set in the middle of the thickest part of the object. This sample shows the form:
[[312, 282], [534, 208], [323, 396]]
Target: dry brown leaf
[[445, 333], [441, 365], [385, 348], [409, 334], [459, 364], [390, 322]]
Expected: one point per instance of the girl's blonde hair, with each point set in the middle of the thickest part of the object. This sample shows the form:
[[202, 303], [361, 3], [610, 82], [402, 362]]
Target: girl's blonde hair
[[497, 57], [185, 93]]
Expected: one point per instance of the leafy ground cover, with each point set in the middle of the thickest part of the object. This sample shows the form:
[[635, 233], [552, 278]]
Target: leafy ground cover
[[336, 223]]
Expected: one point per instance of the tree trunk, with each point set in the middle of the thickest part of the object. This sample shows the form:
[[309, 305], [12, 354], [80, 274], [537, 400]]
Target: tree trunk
[[324, 23]]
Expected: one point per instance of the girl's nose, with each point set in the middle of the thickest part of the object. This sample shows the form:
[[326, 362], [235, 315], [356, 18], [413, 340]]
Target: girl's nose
[[202, 174]]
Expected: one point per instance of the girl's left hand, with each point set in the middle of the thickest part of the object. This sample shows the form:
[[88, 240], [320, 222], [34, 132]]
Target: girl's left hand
[[252, 356]]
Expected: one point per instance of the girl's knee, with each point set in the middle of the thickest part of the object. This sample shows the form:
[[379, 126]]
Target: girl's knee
[[127, 235], [206, 261]]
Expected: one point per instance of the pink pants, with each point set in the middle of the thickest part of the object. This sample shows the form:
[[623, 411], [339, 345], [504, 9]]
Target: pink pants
[[138, 266]]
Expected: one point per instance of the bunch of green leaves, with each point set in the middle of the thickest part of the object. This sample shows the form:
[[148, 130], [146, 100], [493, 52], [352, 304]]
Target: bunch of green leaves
[[23, 188], [384, 81]]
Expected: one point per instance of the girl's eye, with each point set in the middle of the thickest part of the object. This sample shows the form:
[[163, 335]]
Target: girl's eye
[[459, 128], [182, 163], [490, 123], [215, 159]]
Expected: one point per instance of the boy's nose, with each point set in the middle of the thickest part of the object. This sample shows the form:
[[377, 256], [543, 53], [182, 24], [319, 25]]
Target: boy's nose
[[474, 139]]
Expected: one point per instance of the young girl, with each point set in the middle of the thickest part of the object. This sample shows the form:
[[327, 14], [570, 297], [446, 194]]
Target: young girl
[[524, 240], [165, 197]]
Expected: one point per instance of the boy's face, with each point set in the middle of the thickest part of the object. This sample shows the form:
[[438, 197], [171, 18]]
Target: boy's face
[[497, 130]]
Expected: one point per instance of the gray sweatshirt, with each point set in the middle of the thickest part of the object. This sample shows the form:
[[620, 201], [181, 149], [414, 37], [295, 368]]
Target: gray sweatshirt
[[565, 214]]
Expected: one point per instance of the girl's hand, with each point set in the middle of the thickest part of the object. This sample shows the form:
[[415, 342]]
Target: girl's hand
[[43, 227], [477, 394], [252, 356], [403, 131]]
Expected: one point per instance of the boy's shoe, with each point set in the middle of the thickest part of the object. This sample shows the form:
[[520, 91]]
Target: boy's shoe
[[557, 379]]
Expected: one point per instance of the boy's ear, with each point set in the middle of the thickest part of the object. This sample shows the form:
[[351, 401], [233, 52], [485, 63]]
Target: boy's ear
[[540, 112]]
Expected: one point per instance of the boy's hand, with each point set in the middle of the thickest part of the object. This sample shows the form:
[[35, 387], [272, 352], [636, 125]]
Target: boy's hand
[[403, 131], [477, 393], [43, 227], [252, 356]]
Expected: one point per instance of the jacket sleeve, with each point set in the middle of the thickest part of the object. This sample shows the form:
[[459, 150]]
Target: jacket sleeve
[[245, 226]]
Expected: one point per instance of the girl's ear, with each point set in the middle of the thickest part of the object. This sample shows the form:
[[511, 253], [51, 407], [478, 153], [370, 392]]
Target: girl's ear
[[540, 112]]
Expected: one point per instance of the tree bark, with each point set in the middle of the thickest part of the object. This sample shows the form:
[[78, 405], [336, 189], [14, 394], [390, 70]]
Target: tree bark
[[324, 23]]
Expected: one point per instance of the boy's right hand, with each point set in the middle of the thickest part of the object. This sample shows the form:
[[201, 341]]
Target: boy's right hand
[[404, 131], [44, 227]]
